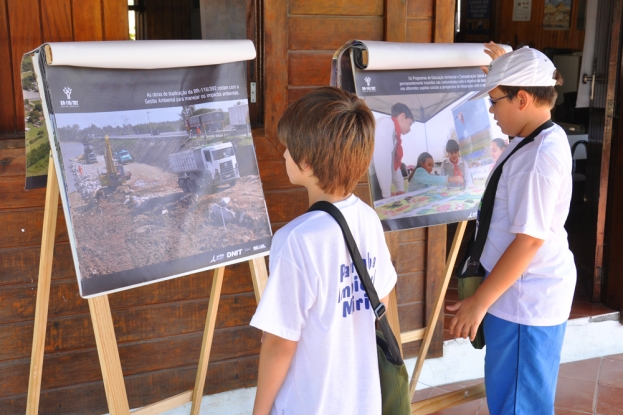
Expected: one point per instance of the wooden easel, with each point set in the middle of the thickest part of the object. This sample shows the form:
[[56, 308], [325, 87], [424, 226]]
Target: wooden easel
[[425, 334], [101, 318]]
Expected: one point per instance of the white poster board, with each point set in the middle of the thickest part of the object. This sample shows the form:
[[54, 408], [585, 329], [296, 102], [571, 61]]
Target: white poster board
[[145, 196], [435, 82]]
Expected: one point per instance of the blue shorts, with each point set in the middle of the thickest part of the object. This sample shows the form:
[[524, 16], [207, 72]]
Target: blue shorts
[[521, 366]]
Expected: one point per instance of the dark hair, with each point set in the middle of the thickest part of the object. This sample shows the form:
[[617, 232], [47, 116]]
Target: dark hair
[[333, 132], [500, 143], [422, 159], [543, 95], [452, 146], [399, 108]]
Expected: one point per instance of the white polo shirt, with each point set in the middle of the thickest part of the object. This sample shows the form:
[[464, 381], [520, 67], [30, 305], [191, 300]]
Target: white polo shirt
[[314, 297], [533, 198]]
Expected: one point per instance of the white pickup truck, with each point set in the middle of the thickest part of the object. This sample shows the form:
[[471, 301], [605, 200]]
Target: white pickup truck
[[205, 167]]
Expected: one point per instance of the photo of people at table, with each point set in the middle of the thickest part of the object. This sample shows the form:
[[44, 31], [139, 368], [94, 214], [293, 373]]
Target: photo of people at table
[[433, 153]]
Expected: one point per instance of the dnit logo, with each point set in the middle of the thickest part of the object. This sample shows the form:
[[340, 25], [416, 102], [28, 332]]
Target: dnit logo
[[69, 103]]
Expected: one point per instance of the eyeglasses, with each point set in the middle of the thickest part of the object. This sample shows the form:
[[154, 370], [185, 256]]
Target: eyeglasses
[[493, 101]]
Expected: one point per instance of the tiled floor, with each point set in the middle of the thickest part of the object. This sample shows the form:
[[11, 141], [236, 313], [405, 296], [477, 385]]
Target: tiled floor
[[593, 386]]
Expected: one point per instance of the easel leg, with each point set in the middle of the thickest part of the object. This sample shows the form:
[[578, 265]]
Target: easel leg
[[108, 354], [392, 317], [208, 335], [391, 239], [259, 275], [43, 291], [430, 328]]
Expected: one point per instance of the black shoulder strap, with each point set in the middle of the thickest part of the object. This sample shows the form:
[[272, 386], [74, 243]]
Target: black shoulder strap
[[487, 202], [362, 271]]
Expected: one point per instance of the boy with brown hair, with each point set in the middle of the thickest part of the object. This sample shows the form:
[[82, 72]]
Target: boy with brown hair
[[525, 299], [319, 352]]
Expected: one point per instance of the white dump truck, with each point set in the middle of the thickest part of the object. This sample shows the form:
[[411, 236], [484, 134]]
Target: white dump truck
[[205, 167]]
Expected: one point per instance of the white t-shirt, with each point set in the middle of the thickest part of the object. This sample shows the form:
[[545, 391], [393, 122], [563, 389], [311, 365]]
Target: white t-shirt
[[383, 157], [314, 297], [533, 198]]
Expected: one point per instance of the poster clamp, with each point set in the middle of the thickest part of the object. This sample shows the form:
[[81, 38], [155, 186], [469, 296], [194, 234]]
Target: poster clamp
[[103, 327]]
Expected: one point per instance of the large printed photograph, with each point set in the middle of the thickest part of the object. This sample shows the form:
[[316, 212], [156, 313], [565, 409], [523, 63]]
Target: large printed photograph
[[434, 148], [160, 179]]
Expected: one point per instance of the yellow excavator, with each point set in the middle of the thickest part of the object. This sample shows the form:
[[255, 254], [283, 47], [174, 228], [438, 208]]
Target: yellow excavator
[[115, 174]]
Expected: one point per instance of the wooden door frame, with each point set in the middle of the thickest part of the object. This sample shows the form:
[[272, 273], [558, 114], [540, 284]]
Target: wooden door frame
[[602, 202]]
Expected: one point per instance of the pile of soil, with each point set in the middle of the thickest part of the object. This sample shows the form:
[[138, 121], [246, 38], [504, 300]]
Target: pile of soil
[[150, 220]]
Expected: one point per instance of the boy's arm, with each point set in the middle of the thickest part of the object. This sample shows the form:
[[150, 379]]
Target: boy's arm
[[276, 355], [382, 157], [511, 265], [398, 180]]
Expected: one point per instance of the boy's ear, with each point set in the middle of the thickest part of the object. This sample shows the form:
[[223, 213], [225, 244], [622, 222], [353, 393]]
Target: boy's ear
[[523, 99]]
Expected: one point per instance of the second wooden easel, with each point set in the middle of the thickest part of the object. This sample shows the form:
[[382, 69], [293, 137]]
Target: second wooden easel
[[425, 334], [105, 339]]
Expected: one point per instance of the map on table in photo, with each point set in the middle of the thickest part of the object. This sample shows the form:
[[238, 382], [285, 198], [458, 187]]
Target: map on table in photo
[[431, 201], [159, 179]]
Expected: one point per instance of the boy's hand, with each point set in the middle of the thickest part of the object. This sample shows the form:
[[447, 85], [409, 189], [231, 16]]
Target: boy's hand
[[456, 179], [494, 51], [467, 319]]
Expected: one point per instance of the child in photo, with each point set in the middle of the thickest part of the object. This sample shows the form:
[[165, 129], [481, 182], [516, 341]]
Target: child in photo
[[422, 176], [319, 354], [454, 165], [525, 299], [497, 146]]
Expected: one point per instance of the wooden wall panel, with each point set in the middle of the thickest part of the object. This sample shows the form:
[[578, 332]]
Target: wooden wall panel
[[336, 7], [115, 16], [65, 300], [20, 265], [444, 25], [23, 227], [12, 160], [276, 58], [56, 21], [87, 20], [420, 9], [8, 115], [25, 35], [329, 33], [307, 68], [419, 31], [395, 12], [143, 389]]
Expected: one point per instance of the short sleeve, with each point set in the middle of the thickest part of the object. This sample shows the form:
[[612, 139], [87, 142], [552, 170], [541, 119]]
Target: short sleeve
[[532, 198], [288, 297]]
